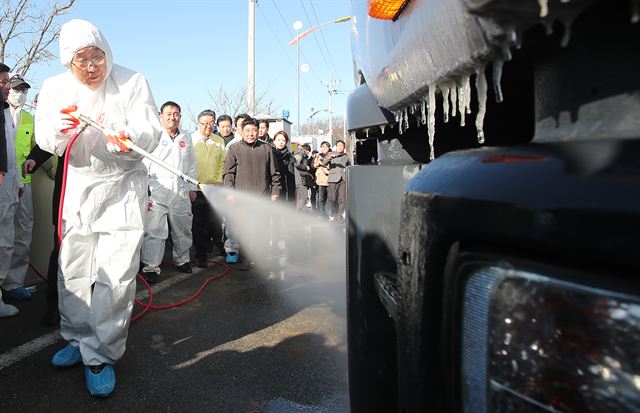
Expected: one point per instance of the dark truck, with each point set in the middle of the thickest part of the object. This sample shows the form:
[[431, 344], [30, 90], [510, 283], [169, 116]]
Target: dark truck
[[494, 207]]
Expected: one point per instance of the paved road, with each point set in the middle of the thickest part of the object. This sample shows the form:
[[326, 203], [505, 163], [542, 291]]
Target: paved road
[[249, 343]]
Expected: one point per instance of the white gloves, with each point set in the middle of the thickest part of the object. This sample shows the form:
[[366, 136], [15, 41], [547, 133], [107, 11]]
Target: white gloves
[[118, 142]]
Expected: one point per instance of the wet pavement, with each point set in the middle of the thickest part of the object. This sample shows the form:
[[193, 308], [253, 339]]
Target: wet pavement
[[251, 342]]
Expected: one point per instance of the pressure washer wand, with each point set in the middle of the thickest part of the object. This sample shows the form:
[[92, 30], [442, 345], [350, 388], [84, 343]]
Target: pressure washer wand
[[129, 144], [160, 163]]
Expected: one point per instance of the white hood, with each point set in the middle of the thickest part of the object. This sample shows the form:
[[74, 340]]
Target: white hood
[[78, 34]]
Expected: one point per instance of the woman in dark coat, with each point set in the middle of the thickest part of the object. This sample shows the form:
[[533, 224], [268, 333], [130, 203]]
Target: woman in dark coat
[[285, 166]]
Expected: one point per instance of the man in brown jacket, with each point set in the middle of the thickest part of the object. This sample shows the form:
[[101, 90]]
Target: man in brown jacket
[[249, 166]]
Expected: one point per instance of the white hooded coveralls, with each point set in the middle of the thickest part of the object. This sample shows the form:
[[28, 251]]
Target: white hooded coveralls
[[169, 201], [105, 198], [8, 203]]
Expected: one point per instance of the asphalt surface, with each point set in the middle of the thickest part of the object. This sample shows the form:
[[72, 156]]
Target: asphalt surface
[[251, 342]]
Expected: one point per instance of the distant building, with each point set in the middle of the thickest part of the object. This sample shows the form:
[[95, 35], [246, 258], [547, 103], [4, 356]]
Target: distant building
[[313, 140], [276, 124]]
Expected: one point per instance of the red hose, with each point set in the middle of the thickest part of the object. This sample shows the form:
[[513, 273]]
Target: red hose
[[63, 186], [148, 305]]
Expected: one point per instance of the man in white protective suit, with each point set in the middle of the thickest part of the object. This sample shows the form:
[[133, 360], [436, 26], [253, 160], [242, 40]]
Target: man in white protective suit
[[171, 197], [105, 197], [9, 189], [23, 221]]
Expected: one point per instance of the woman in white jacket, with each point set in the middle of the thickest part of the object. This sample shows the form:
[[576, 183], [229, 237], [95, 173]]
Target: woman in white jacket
[[104, 200]]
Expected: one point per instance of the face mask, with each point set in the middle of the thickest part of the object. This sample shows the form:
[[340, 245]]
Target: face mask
[[17, 99]]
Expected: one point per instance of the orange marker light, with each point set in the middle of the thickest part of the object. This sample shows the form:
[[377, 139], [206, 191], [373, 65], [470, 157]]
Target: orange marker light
[[386, 9]]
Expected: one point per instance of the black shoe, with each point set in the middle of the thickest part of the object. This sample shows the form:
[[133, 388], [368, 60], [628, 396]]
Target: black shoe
[[202, 262], [185, 268], [218, 251], [150, 276], [51, 318]]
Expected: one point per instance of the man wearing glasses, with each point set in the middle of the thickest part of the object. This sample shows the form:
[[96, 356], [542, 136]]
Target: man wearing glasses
[[210, 154], [105, 197]]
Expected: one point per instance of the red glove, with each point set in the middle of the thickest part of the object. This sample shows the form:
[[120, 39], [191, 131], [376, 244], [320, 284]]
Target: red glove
[[117, 144], [68, 121]]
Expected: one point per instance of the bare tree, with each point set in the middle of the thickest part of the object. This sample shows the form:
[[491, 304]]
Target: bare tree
[[233, 103], [313, 125], [27, 29]]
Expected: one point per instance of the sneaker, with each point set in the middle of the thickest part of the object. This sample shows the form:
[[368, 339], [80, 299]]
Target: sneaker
[[101, 380], [67, 357], [7, 310], [185, 268], [150, 276], [202, 263], [18, 294], [232, 258]]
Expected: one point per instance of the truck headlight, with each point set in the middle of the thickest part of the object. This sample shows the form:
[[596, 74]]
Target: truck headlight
[[534, 342]]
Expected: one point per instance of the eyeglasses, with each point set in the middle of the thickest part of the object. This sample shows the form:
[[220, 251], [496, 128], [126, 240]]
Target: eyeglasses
[[205, 124], [95, 60]]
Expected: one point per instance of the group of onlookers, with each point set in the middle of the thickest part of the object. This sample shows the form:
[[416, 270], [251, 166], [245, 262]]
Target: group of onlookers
[[249, 160]]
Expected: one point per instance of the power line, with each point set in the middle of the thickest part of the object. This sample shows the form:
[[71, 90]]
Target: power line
[[280, 43], [292, 35], [288, 28], [323, 39], [315, 37]]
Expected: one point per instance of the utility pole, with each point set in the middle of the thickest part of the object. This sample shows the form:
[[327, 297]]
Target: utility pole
[[331, 108], [251, 60], [297, 25], [331, 89]]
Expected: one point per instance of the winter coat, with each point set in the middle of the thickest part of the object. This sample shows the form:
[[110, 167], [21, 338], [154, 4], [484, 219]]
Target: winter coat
[[252, 168], [322, 172], [337, 162], [302, 167], [287, 176]]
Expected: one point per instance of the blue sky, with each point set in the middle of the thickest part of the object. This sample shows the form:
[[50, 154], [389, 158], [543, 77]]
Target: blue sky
[[189, 47]]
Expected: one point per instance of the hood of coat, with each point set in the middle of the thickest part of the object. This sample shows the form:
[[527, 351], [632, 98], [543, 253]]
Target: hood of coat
[[78, 34]]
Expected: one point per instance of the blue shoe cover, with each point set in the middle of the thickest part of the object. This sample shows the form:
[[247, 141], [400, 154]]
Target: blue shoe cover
[[67, 357], [100, 384], [232, 258], [18, 294]]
